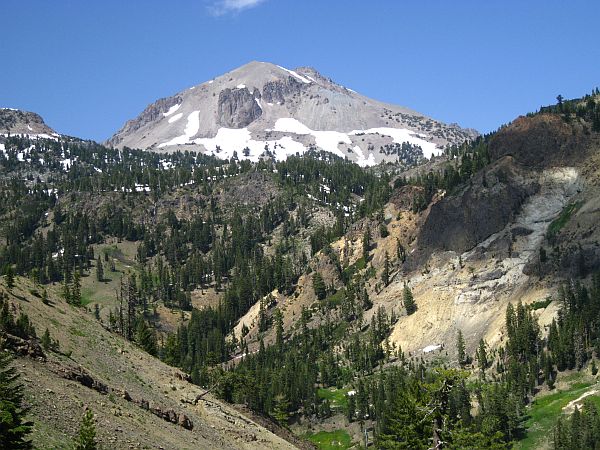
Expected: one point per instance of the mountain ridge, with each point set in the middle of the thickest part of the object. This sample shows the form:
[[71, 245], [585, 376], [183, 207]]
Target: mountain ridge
[[275, 112]]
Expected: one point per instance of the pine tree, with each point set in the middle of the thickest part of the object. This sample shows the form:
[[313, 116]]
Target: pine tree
[[76, 289], [146, 338], [86, 440], [278, 329], [460, 349], [351, 408], [13, 427], [281, 410], [263, 318], [319, 286], [99, 270], [45, 300], [385, 276], [409, 302], [366, 247], [46, 341], [10, 277], [482, 359]]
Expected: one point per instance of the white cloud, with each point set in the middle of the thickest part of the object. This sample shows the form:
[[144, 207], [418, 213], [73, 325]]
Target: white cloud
[[221, 7]]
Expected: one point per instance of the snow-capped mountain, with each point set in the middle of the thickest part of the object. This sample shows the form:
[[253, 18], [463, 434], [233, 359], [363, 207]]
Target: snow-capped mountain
[[261, 109], [14, 121]]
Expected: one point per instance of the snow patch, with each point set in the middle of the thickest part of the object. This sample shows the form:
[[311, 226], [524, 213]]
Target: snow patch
[[290, 125], [400, 135], [229, 140], [191, 128], [172, 109], [296, 75], [66, 163], [175, 118], [327, 140], [258, 103], [240, 86], [360, 157], [432, 348]]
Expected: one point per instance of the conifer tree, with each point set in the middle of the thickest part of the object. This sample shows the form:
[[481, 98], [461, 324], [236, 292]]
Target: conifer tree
[[10, 277], [146, 337], [319, 286], [45, 297], [366, 246], [86, 440], [99, 270], [13, 426], [46, 341], [385, 276], [76, 289], [281, 409], [482, 359], [279, 329], [409, 302], [460, 349]]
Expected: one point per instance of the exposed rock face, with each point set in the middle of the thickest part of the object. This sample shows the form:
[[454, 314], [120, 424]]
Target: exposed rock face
[[238, 108], [544, 140], [15, 121], [152, 113], [460, 222], [276, 91]]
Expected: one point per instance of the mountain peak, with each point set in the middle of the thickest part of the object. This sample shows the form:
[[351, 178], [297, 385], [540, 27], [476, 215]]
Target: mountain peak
[[263, 110], [16, 121]]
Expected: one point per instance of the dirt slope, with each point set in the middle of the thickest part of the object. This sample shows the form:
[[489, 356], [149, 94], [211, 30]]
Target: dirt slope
[[139, 402]]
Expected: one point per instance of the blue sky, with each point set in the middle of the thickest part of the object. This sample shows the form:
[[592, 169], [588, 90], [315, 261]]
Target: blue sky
[[87, 66]]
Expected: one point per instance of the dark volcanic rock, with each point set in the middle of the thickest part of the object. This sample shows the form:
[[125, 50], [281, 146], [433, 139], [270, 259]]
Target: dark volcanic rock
[[460, 222], [543, 140], [276, 91], [237, 108], [23, 347]]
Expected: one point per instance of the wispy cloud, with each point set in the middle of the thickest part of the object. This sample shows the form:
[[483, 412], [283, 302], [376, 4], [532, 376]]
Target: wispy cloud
[[221, 7]]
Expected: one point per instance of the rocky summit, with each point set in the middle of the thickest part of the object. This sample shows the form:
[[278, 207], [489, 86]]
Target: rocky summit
[[14, 121], [262, 110]]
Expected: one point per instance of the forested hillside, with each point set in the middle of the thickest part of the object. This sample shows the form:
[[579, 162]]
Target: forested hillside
[[395, 307]]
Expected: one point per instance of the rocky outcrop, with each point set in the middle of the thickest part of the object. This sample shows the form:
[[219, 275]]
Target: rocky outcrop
[[276, 91], [152, 113], [15, 121], [79, 375], [22, 347], [459, 222], [82, 377], [540, 141], [238, 108]]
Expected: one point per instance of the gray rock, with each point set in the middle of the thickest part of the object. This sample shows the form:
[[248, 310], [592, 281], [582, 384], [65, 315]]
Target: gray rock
[[277, 91], [238, 108]]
